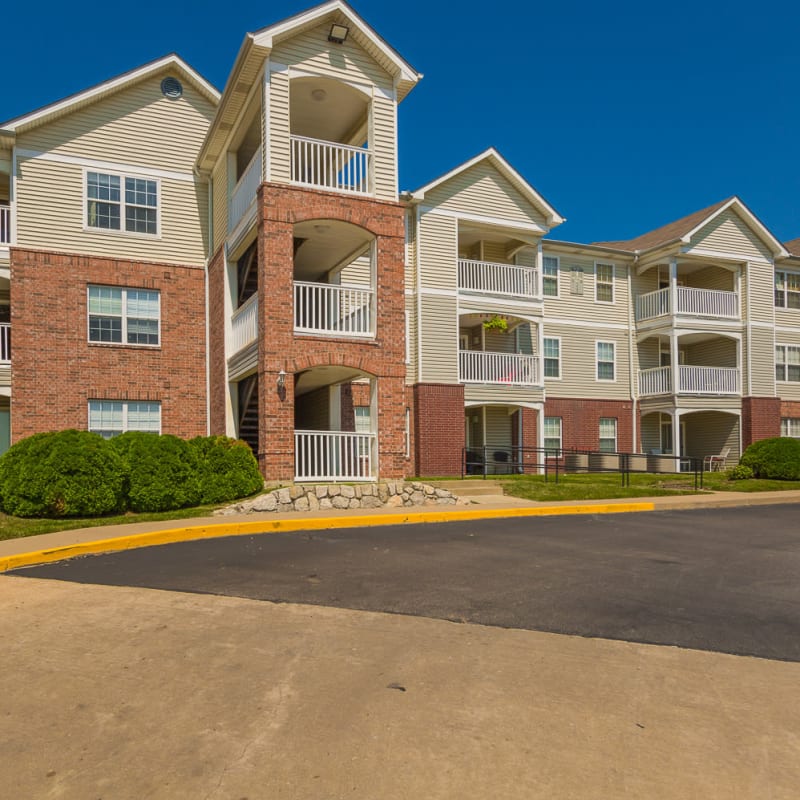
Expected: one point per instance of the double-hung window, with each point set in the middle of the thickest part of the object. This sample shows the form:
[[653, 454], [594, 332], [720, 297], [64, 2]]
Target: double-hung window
[[550, 276], [121, 203], [790, 426], [608, 434], [124, 316], [606, 368], [787, 362], [604, 283], [112, 417], [552, 435], [787, 289], [552, 357]]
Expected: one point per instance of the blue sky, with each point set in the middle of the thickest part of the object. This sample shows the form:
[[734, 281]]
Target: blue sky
[[624, 115]]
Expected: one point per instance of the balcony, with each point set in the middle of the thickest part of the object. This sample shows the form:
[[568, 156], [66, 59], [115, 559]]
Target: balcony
[[328, 165], [510, 369], [692, 302], [244, 324], [334, 456], [333, 310], [244, 193], [488, 277], [5, 224], [691, 380]]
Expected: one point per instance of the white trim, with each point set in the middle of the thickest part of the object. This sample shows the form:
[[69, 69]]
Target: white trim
[[597, 361], [124, 403], [600, 438], [557, 295], [560, 360], [613, 266], [123, 317], [722, 255], [505, 223], [560, 431], [367, 89], [609, 326], [109, 166], [439, 292], [122, 230], [274, 66]]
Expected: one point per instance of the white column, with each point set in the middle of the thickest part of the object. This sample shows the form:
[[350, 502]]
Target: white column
[[673, 361], [673, 286], [676, 435], [539, 270]]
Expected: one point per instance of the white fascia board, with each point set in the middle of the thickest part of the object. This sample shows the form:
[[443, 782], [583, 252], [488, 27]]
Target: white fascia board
[[115, 84]]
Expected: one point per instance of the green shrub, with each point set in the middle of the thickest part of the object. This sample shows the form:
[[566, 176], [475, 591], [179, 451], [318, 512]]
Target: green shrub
[[65, 474], [741, 472], [161, 472], [227, 469], [777, 458]]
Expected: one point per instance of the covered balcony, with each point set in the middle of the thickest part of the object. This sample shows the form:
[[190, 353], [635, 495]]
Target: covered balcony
[[245, 168], [691, 380], [487, 277]]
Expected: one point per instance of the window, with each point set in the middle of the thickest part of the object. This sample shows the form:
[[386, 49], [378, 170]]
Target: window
[[604, 283], [787, 362], [605, 361], [112, 417], [124, 316], [552, 358], [787, 289], [119, 202], [608, 434], [790, 427], [550, 276], [363, 424], [552, 434]]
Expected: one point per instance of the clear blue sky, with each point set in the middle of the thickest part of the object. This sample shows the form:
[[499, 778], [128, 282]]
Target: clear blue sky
[[624, 115]]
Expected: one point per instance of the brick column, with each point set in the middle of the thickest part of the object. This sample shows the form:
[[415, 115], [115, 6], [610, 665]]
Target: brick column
[[439, 428], [761, 419]]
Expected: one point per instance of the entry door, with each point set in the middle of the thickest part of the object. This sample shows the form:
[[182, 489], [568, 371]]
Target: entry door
[[666, 436]]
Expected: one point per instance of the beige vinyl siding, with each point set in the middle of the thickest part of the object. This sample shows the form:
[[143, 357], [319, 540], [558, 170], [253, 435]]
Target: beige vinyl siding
[[762, 293], [220, 188], [412, 344], [717, 352], [579, 363], [498, 428], [383, 144], [278, 128], [649, 352], [495, 393], [498, 342], [495, 252], [439, 329], [526, 257], [136, 126], [788, 390], [483, 190], [651, 433], [357, 272], [710, 432], [411, 248], [51, 213], [728, 233], [438, 249], [487, 304], [716, 278], [5, 375]]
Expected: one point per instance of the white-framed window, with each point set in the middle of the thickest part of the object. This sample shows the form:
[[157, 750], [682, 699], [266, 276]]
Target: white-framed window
[[112, 417], [603, 282], [790, 426], [787, 289], [550, 276], [552, 434], [787, 362], [363, 424], [117, 202], [124, 316], [608, 434], [552, 356], [606, 361]]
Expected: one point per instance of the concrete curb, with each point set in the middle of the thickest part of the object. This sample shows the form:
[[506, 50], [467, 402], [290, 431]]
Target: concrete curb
[[197, 532]]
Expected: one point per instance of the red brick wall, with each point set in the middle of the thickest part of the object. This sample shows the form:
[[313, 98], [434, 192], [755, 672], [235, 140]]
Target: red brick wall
[[216, 346], [439, 428], [55, 371], [761, 419], [580, 421], [279, 348], [527, 417]]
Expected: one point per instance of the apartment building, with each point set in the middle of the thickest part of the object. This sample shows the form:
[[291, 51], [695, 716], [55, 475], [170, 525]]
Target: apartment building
[[177, 259]]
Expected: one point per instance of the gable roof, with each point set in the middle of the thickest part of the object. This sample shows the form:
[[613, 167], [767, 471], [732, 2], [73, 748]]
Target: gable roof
[[683, 229], [504, 168], [101, 90]]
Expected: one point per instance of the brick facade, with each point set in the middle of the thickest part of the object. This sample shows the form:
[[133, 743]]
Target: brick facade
[[761, 419], [216, 347], [438, 411], [383, 357], [790, 409], [580, 421], [56, 371]]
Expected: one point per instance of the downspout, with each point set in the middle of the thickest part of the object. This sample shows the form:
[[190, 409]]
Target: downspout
[[631, 377], [210, 247]]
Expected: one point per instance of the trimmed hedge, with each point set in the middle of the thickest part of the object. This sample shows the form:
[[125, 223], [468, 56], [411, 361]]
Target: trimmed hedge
[[66, 474], [227, 469], [777, 458]]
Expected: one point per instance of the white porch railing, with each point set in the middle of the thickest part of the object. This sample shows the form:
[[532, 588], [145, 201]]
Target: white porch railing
[[5, 224], [5, 342], [244, 192], [493, 278], [244, 324], [329, 165], [692, 302], [334, 456], [477, 366], [691, 380], [332, 309]]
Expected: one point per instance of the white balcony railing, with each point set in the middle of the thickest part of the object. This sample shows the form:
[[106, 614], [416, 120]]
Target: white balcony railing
[[244, 324], [477, 366], [691, 380], [334, 456], [328, 165], [332, 309], [493, 278], [244, 193], [5, 342], [692, 302], [5, 224]]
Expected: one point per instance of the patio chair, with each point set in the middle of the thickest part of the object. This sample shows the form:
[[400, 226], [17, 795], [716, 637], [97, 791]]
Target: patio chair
[[716, 463]]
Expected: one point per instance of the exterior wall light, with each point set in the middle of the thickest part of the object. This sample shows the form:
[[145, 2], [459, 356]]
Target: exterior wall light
[[338, 33], [281, 381]]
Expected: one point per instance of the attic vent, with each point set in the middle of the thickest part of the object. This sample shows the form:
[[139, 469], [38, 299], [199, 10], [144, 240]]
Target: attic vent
[[171, 87]]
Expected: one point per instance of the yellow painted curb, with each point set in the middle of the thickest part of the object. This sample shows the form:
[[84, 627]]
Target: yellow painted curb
[[172, 535]]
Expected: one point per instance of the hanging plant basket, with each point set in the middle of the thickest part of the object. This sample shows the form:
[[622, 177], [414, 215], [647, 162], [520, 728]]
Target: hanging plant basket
[[496, 323]]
